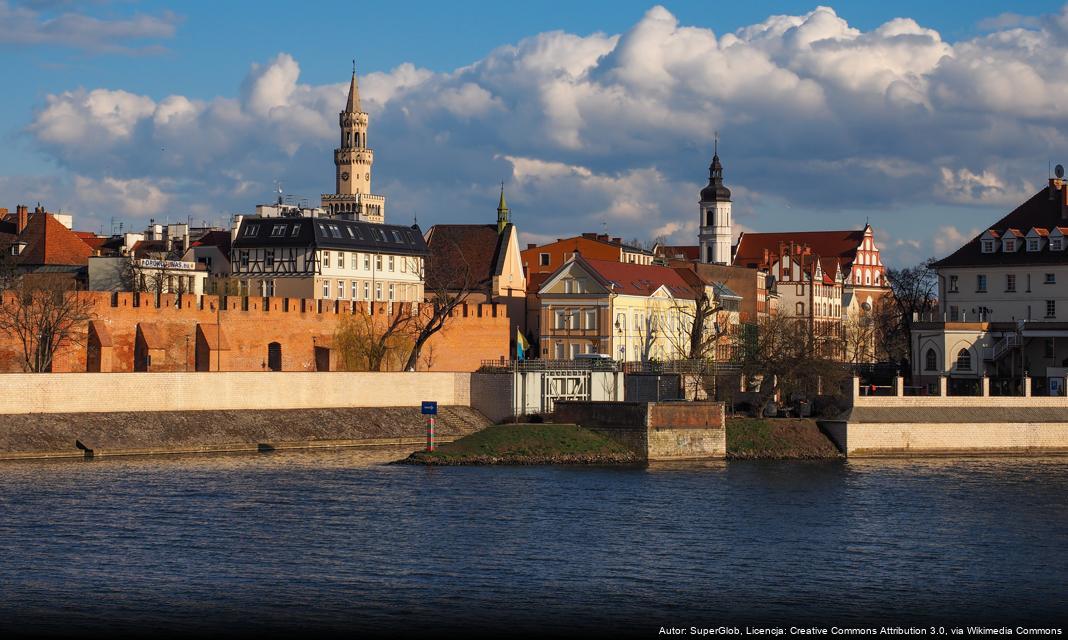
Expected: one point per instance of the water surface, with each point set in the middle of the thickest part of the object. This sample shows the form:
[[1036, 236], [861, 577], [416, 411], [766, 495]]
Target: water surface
[[339, 541]]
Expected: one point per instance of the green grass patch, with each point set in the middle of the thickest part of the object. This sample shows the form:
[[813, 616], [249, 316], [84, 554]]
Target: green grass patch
[[777, 438], [543, 442]]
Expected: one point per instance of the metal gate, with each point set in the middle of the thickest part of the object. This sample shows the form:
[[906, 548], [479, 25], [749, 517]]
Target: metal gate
[[564, 385]]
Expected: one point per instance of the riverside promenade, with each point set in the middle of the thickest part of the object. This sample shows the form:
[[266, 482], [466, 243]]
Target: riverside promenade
[[901, 425]]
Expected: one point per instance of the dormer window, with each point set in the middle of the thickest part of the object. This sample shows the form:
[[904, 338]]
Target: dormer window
[[988, 246], [252, 230], [1056, 244], [1010, 245], [1032, 244]]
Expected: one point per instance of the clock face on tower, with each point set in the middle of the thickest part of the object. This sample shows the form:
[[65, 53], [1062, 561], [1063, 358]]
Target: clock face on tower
[[344, 175]]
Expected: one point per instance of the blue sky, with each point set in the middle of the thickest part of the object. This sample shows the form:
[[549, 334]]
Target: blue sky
[[827, 118]]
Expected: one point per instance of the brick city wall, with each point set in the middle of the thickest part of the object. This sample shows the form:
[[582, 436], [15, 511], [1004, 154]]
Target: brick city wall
[[227, 391], [131, 332]]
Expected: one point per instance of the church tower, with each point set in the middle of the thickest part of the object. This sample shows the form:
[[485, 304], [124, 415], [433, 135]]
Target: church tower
[[715, 226], [502, 213], [352, 197]]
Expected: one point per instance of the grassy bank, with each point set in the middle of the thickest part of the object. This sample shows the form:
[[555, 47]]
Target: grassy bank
[[777, 438], [527, 444]]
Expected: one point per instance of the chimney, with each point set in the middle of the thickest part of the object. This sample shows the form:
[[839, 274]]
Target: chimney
[[1055, 185], [1064, 203], [590, 235], [531, 245], [233, 229], [23, 217], [617, 240]]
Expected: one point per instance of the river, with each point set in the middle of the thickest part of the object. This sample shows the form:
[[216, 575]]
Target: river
[[338, 541]]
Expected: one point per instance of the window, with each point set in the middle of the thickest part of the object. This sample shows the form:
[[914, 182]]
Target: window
[[953, 284], [378, 291], [268, 259], [366, 290], [355, 261], [980, 283], [391, 263], [590, 348], [930, 361], [1032, 244], [295, 232], [1050, 348], [964, 360], [1010, 282], [355, 289], [591, 319], [1051, 278], [326, 258], [352, 236], [367, 262], [1051, 308], [252, 230], [326, 288], [268, 287], [341, 259], [543, 259], [278, 231], [1055, 244], [340, 289], [800, 308], [954, 313], [243, 257], [1010, 244], [335, 231], [559, 350], [378, 263], [988, 246], [559, 321], [404, 265], [574, 351], [392, 291]]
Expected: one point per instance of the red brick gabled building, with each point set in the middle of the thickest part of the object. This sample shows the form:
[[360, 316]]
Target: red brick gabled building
[[36, 243]]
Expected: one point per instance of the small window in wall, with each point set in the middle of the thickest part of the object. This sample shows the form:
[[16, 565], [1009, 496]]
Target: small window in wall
[[1051, 308], [1051, 278], [543, 259], [559, 351], [340, 288], [355, 289], [1010, 282], [326, 288], [964, 360], [980, 283], [953, 284], [391, 263], [800, 308], [591, 319], [930, 361]]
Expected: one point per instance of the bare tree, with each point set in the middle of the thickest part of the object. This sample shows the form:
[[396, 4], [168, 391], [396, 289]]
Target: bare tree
[[914, 293], [449, 282], [859, 337], [789, 356], [44, 313], [365, 343], [150, 273]]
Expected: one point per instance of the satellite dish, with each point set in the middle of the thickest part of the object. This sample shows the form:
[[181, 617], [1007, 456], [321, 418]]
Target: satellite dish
[[1059, 171]]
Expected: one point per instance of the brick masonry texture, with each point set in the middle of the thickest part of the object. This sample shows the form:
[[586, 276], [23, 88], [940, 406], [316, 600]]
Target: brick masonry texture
[[658, 431], [182, 337]]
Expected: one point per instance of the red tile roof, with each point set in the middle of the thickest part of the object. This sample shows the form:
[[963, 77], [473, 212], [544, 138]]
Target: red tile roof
[[825, 244], [48, 242], [639, 279], [454, 247]]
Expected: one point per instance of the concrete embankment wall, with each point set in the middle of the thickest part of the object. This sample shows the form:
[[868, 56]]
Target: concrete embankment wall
[[105, 392], [43, 415], [895, 426], [657, 431]]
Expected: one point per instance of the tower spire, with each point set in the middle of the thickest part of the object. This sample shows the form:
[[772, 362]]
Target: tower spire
[[502, 212], [353, 103]]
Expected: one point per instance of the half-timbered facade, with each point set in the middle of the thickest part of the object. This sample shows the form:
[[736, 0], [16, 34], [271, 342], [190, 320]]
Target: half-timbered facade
[[328, 258]]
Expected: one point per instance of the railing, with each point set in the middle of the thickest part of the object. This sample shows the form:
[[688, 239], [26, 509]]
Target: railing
[[1003, 345], [498, 366]]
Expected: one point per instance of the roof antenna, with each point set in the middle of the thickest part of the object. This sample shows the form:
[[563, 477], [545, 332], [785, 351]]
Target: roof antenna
[[415, 218], [715, 148]]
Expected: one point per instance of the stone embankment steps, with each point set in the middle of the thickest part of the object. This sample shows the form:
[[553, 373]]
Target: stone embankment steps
[[45, 435]]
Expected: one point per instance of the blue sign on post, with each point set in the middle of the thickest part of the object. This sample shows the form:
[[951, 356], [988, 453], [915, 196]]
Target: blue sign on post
[[430, 408]]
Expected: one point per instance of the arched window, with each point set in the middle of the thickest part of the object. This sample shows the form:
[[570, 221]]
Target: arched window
[[931, 361], [964, 360], [357, 138]]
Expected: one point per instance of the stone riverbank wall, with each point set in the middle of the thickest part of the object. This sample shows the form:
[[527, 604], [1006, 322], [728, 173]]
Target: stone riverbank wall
[[951, 425], [657, 431], [48, 415]]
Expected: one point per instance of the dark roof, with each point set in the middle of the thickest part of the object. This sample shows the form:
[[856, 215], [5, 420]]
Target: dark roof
[[220, 239], [825, 244], [715, 191], [330, 233], [454, 247], [1039, 211], [680, 252]]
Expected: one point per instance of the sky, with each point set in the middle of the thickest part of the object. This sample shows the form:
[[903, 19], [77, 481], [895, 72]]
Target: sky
[[930, 120]]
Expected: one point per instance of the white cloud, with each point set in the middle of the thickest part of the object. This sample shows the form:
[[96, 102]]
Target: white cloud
[[29, 25], [816, 117]]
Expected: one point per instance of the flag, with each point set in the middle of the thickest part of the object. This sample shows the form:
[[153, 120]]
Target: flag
[[521, 345]]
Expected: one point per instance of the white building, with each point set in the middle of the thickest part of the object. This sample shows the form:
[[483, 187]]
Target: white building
[[1003, 301], [715, 226]]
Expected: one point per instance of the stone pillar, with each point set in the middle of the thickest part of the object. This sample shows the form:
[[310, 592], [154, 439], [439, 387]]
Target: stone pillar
[[986, 385], [899, 386], [856, 386], [943, 386], [1027, 386]]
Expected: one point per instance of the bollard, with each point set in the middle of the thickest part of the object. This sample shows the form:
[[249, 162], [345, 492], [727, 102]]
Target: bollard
[[430, 433]]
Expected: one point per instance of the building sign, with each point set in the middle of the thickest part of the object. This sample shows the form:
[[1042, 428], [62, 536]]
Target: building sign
[[173, 265]]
